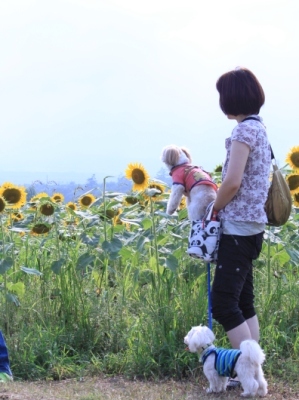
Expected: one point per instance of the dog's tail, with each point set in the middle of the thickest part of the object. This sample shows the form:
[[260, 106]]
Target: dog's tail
[[252, 350]]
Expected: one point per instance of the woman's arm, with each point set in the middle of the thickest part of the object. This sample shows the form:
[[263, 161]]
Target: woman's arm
[[233, 178]]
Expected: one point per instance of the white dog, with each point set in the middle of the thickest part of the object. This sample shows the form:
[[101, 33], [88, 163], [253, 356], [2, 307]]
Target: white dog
[[246, 362], [189, 180]]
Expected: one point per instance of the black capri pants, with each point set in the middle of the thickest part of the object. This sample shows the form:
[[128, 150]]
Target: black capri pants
[[232, 294]]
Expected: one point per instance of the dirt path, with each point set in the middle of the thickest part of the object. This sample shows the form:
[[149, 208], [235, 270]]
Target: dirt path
[[118, 388]]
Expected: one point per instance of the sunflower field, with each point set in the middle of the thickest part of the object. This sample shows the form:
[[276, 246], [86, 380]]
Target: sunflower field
[[104, 285]]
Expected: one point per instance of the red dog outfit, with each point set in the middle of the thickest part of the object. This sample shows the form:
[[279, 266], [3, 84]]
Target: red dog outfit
[[190, 175]]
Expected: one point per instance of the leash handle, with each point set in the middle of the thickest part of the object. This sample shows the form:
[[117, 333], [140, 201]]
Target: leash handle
[[210, 323]]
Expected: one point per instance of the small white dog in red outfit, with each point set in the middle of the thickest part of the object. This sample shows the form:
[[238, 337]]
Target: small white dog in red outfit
[[189, 180]]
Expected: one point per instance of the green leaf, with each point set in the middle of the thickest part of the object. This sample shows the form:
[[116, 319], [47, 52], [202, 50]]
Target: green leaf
[[56, 266], [172, 263], [18, 288], [5, 264], [152, 192], [7, 247], [126, 253], [145, 277], [91, 241], [294, 254], [282, 257], [147, 223], [30, 271], [183, 214], [130, 221], [18, 230], [13, 299], [112, 247], [84, 260], [165, 215], [116, 244], [140, 243], [113, 255]]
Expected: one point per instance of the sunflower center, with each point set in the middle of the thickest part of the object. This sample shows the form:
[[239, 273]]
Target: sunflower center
[[293, 182], [131, 200], [47, 209], [12, 195], [2, 205], [295, 158], [39, 229], [138, 176], [86, 200]]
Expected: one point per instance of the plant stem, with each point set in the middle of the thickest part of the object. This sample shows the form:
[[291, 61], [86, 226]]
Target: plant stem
[[268, 261]]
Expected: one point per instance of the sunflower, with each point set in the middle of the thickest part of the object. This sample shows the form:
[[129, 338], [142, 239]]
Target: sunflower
[[296, 200], [71, 206], [110, 214], [40, 229], [2, 204], [47, 209], [86, 200], [16, 216], [131, 200], [71, 222], [139, 176], [36, 198], [183, 204], [156, 196], [117, 221], [218, 168], [293, 182], [15, 196], [57, 198], [293, 158]]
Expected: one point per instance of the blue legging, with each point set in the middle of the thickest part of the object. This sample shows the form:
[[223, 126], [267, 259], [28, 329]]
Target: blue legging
[[4, 360]]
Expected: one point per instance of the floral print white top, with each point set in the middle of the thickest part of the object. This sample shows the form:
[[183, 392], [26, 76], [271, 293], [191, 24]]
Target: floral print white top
[[248, 204]]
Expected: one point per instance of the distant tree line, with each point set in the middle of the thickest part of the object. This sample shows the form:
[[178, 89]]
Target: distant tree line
[[73, 190]]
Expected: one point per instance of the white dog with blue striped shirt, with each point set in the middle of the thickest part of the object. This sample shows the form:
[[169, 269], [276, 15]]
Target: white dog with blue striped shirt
[[220, 364]]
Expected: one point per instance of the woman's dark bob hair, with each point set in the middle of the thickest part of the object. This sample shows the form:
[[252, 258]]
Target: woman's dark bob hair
[[240, 92]]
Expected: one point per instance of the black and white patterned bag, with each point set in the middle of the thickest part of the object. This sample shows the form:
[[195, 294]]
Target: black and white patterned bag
[[204, 237]]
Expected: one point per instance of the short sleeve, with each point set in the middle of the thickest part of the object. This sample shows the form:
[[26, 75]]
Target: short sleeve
[[245, 133]]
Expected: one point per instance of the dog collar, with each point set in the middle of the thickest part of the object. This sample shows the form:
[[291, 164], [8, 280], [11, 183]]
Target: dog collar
[[205, 350], [207, 346], [177, 166]]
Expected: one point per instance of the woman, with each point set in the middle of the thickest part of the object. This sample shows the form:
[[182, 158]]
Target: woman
[[240, 202]]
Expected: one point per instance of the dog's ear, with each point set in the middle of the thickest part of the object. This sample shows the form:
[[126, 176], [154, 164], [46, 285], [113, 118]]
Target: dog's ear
[[194, 339], [187, 153], [210, 337], [170, 155]]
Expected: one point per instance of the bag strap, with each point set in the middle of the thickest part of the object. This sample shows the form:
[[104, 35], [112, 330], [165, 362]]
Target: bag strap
[[256, 119]]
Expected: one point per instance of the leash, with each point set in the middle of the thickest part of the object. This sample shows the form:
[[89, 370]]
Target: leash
[[210, 324]]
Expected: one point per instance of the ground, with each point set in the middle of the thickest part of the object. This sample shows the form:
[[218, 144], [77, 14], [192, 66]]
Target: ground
[[119, 388]]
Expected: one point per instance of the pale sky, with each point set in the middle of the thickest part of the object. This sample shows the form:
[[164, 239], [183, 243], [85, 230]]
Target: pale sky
[[88, 86]]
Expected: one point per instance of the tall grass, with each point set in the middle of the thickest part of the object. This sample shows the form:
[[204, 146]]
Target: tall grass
[[111, 289]]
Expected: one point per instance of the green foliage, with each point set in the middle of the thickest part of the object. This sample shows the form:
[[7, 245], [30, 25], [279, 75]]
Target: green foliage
[[111, 289]]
